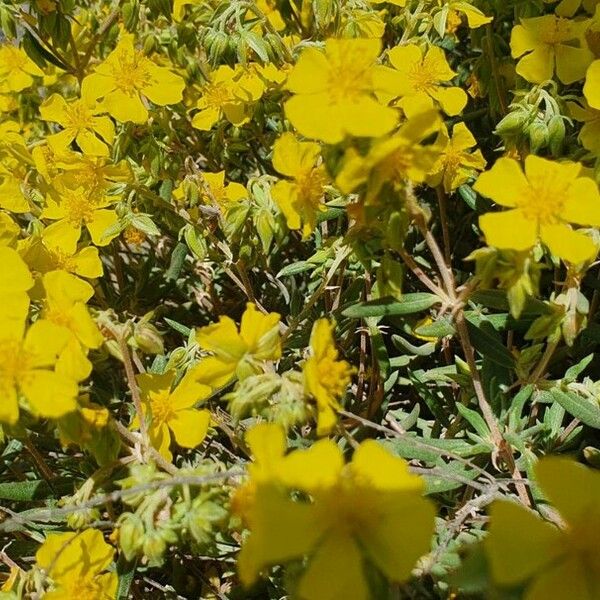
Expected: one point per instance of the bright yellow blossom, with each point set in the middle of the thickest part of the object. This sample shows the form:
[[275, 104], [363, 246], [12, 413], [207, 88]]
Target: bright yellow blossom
[[81, 121], [127, 77], [475, 18], [172, 411], [347, 514], [567, 8], [418, 78], [543, 201], [229, 93], [300, 198], [325, 377], [17, 70], [457, 162], [394, 160], [218, 191], [15, 281], [78, 208], [27, 369], [547, 44], [589, 135], [240, 352], [76, 563], [333, 92], [553, 563]]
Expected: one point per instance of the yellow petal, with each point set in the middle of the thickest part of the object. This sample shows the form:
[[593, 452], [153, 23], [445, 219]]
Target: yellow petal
[[49, 394], [591, 89], [100, 223], [190, 427], [567, 244], [509, 230], [504, 183], [317, 468], [537, 66]]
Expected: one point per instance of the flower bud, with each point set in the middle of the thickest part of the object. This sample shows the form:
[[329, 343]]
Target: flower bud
[[538, 136], [148, 338]]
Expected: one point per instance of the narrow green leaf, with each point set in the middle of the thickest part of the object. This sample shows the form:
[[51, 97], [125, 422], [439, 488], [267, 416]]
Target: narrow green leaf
[[588, 412], [487, 342], [408, 304]]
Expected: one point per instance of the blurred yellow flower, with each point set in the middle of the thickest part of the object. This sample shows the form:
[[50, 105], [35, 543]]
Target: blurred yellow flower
[[240, 352], [393, 160], [81, 121], [547, 44], [457, 162], [171, 410], [589, 135], [229, 93], [300, 197], [325, 377], [418, 78], [543, 201], [125, 78], [15, 281], [553, 563], [76, 563], [347, 514], [333, 92], [17, 70]]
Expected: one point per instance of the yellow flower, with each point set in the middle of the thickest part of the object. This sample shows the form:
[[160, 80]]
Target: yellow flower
[[589, 136], [591, 89], [325, 377], [16, 69], [346, 514], [78, 208], [393, 160], [223, 194], [81, 122], [27, 369], [172, 411], [567, 8], [546, 45], [333, 92], [552, 563], [475, 18], [418, 78], [457, 163], [76, 563], [15, 281], [269, 9], [44, 256], [125, 78], [543, 201], [301, 197], [240, 352], [229, 93]]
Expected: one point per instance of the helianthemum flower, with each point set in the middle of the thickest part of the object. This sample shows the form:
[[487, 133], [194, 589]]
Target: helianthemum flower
[[547, 44], [81, 121], [127, 77], [76, 563], [418, 78], [333, 92], [300, 197], [325, 377], [17, 70], [345, 516], [543, 201], [240, 351], [551, 563], [229, 93], [457, 162], [171, 411]]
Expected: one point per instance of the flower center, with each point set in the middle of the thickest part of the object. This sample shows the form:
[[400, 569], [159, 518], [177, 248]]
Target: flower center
[[310, 186], [161, 407], [78, 116], [423, 77], [14, 361], [334, 375], [556, 31], [217, 94], [349, 78], [79, 206], [544, 201], [131, 72], [86, 589]]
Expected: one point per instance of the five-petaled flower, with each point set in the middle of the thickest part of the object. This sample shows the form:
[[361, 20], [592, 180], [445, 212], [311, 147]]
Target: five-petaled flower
[[77, 563], [170, 409], [333, 92], [551, 563], [325, 377], [300, 197], [543, 201], [344, 516], [127, 77]]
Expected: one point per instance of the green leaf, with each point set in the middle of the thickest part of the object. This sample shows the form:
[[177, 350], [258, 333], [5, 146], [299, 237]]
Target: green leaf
[[408, 304], [177, 261], [486, 341], [295, 268], [588, 412], [475, 420]]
